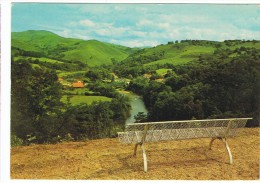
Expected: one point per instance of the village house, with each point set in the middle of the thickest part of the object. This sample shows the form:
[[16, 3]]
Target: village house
[[78, 84]]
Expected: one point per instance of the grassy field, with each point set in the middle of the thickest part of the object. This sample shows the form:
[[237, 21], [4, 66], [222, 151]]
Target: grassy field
[[95, 53], [78, 91], [179, 55], [92, 52], [40, 40], [246, 44], [79, 99], [175, 61], [70, 74], [107, 159], [41, 59], [162, 71]]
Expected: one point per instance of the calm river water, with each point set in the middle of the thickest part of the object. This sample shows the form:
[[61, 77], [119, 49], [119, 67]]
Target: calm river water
[[137, 105]]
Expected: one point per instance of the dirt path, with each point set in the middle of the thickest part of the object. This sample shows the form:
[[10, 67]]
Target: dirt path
[[108, 159]]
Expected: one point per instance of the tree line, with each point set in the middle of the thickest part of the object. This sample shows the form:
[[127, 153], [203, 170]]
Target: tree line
[[39, 116]]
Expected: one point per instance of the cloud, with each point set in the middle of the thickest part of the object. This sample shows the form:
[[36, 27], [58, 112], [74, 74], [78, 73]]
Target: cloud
[[136, 43], [145, 22], [104, 29], [87, 23], [186, 19], [164, 25], [64, 33], [81, 36], [139, 33], [111, 31]]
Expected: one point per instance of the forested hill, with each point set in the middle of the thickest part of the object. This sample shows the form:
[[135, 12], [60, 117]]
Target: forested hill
[[182, 52], [47, 44], [196, 79]]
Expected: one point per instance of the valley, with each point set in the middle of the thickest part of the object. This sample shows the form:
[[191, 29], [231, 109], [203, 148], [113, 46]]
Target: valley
[[89, 89]]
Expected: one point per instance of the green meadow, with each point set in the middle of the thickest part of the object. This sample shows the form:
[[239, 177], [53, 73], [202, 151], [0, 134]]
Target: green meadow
[[162, 71], [79, 99], [91, 52], [41, 59]]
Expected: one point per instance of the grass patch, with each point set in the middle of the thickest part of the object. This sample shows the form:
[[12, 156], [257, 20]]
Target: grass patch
[[178, 54], [162, 71], [78, 90], [41, 59], [73, 73], [197, 50], [80, 99], [174, 61]]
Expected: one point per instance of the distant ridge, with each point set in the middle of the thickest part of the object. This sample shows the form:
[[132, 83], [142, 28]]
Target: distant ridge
[[50, 45], [95, 53]]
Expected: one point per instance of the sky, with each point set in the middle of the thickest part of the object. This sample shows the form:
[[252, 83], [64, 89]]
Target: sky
[[139, 25]]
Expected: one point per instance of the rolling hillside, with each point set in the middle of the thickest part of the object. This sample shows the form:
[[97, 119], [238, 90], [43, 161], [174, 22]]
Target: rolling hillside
[[50, 45], [46, 44], [185, 51]]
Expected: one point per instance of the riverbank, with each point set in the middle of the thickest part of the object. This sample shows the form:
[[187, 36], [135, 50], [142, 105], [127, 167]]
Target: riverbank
[[107, 159]]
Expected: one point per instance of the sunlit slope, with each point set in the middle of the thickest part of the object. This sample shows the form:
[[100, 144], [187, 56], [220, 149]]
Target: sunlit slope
[[95, 53], [50, 45], [184, 52]]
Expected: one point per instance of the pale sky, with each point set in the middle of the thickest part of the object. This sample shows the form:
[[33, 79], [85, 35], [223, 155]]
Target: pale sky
[[137, 25]]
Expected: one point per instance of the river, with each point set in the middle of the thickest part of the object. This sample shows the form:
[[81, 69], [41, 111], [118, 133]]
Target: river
[[137, 105]]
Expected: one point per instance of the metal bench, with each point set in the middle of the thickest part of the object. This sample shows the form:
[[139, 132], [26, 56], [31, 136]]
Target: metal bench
[[139, 133]]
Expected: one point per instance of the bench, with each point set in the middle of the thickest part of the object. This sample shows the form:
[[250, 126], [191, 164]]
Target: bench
[[140, 133]]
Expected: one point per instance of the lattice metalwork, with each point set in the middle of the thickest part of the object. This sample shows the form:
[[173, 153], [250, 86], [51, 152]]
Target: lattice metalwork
[[177, 130]]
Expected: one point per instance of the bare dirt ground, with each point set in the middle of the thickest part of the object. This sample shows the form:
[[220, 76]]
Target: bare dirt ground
[[107, 159]]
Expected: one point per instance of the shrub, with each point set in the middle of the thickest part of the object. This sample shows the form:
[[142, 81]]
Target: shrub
[[15, 141]]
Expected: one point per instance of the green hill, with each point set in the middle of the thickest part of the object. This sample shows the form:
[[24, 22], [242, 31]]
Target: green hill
[[167, 56], [185, 51], [45, 44], [49, 45]]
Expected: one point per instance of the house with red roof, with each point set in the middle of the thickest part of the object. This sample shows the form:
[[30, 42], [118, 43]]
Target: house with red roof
[[78, 84]]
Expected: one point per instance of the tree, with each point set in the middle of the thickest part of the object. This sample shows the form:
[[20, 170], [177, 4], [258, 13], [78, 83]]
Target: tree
[[35, 101], [140, 117], [138, 85]]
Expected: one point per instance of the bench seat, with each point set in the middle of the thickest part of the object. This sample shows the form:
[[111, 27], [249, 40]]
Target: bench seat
[[140, 133], [171, 134]]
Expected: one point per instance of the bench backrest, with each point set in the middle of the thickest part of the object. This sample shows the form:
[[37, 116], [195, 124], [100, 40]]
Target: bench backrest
[[175, 130]]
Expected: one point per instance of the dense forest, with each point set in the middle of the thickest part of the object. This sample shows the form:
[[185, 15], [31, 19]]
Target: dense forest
[[188, 79], [213, 86]]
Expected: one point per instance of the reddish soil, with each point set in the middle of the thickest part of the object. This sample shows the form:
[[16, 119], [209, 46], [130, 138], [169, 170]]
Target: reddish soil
[[105, 159]]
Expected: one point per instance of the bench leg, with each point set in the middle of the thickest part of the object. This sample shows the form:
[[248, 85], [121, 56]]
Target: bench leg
[[141, 143], [144, 157], [211, 142], [228, 151], [226, 145], [136, 145], [144, 154]]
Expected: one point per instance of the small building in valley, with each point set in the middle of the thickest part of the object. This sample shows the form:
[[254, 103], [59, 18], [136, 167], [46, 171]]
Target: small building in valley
[[78, 84]]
